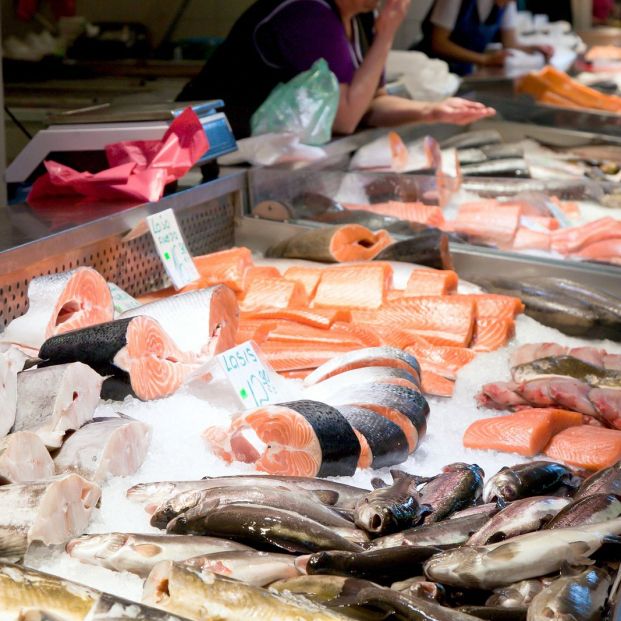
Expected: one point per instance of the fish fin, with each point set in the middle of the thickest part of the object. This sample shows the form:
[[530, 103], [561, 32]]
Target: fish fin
[[567, 569], [12, 547], [579, 551], [415, 478], [504, 552], [378, 483], [146, 549], [326, 496], [501, 503], [114, 542]]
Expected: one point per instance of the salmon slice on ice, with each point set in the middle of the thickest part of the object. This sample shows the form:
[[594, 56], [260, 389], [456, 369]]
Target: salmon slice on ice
[[259, 271], [606, 251], [494, 306], [409, 212], [300, 438], [274, 293], [318, 317], [436, 385], [587, 447], [425, 282], [354, 286], [365, 336], [291, 333], [24, 457], [254, 330], [526, 432], [308, 277], [494, 225], [226, 267], [442, 360], [298, 356], [203, 321], [59, 303], [572, 239], [492, 334]]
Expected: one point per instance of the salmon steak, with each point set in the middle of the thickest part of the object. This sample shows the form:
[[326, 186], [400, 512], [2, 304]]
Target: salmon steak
[[300, 438], [59, 303]]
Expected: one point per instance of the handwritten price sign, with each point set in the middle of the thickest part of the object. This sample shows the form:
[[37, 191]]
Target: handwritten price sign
[[254, 381], [172, 249]]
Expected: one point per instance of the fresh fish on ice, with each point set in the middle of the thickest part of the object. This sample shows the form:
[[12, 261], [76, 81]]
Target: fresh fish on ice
[[517, 595], [319, 588], [103, 448], [388, 152], [588, 510], [24, 457], [605, 481], [54, 399], [51, 511], [11, 363], [472, 139], [429, 248], [138, 553], [111, 608], [60, 303]]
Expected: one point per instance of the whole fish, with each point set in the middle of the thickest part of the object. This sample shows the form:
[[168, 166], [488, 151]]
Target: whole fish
[[389, 509], [419, 586], [472, 139], [320, 588], [606, 481], [518, 595], [489, 509], [566, 366], [23, 457], [204, 596], [526, 556], [503, 151], [459, 486], [588, 510], [264, 527], [112, 608], [52, 400], [514, 167], [566, 189], [382, 566], [266, 496], [521, 516], [408, 607], [495, 613], [249, 566], [445, 533], [523, 480], [429, 248], [471, 156], [138, 554], [105, 447], [23, 589], [50, 511], [580, 598]]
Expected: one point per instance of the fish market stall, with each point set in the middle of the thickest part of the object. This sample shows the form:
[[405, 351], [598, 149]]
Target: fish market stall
[[367, 364]]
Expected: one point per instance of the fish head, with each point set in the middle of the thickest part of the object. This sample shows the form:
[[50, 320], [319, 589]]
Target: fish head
[[102, 546], [374, 517], [505, 485], [450, 567]]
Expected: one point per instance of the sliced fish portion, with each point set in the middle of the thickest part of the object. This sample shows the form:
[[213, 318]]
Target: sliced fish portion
[[50, 511], [52, 400], [103, 448], [11, 363], [60, 303], [24, 457]]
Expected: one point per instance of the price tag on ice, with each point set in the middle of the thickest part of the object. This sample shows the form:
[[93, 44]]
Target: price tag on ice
[[172, 249], [254, 381], [121, 299]]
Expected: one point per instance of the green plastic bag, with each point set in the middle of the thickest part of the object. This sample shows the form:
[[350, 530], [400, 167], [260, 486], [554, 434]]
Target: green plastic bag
[[306, 106]]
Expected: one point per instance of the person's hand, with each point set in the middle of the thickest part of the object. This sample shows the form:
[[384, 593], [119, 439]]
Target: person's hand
[[495, 59], [390, 17], [459, 111]]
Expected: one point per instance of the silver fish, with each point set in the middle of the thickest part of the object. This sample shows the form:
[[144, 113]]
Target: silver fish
[[514, 167], [588, 510], [111, 608], [579, 598], [138, 554], [23, 457], [526, 556], [521, 516], [489, 509], [320, 588], [517, 595], [472, 139], [606, 481]]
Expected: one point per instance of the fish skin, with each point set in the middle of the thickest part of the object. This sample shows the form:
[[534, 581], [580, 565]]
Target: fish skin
[[514, 167], [503, 151], [248, 566], [320, 588], [429, 248], [382, 566], [454, 531], [587, 510], [495, 613], [523, 480], [473, 155], [23, 589], [521, 516], [457, 487], [518, 595], [472, 139], [138, 554], [519, 558], [606, 481], [269, 497], [389, 509], [180, 590], [112, 608], [280, 529], [580, 597]]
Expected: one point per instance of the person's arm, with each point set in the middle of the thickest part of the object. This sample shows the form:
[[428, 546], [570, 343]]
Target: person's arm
[[510, 41], [445, 48]]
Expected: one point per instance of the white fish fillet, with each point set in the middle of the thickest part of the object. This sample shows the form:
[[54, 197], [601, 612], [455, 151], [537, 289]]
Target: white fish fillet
[[60, 303], [11, 363], [51, 511], [202, 322], [54, 399], [23, 457], [110, 447], [386, 153]]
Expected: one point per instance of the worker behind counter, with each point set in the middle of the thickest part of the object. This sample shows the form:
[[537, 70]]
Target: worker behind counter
[[459, 31], [274, 40]]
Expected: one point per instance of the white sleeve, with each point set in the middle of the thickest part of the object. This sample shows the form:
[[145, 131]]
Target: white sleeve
[[509, 19], [445, 13]]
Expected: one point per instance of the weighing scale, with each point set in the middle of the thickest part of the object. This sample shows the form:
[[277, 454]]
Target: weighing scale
[[82, 135]]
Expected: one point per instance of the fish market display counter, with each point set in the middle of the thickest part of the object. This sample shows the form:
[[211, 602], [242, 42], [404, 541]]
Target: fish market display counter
[[55, 237]]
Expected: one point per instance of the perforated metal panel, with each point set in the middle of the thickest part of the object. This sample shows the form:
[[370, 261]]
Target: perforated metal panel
[[133, 265]]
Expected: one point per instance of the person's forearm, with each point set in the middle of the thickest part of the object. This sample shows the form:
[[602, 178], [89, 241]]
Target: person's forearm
[[388, 111], [447, 49], [355, 98]]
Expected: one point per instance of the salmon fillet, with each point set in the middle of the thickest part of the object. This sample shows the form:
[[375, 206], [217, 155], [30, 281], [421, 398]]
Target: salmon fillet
[[572, 239], [526, 432], [494, 225], [440, 359], [254, 330], [284, 357], [437, 385], [226, 267], [318, 317], [292, 333], [608, 251], [274, 293], [494, 306], [354, 286], [410, 212], [308, 277], [431, 282], [259, 271], [527, 239], [587, 447], [492, 334], [364, 336]]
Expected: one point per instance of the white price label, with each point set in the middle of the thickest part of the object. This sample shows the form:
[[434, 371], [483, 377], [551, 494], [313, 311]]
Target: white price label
[[172, 249], [253, 380], [121, 299]]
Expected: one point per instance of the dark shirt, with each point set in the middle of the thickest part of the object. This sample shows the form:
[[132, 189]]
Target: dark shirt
[[272, 42]]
